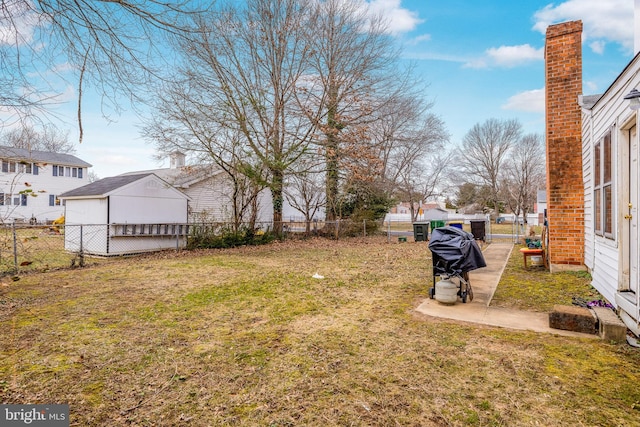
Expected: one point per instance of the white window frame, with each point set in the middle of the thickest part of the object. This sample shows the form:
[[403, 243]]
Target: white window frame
[[603, 187]]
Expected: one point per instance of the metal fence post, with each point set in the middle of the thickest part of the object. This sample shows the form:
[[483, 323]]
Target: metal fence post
[[15, 246], [81, 255]]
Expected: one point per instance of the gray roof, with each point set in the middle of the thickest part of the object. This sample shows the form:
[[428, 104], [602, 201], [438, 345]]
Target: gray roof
[[103, 186], [588, 101], [183, 176], [41, 156]]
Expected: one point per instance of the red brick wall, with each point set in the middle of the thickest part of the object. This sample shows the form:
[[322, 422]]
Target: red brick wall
[[565, 188]]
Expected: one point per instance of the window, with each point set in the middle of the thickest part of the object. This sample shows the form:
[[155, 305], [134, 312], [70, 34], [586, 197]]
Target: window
[[5, 166], [35, 169], [67, 171], [74, 172], [27, 168], [53, 200], [603, 187], [23, 200], [80, 173], [12, 166], [54, 168], [1, 199]]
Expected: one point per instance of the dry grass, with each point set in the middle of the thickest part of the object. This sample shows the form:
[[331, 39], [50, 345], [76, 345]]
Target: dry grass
[[536, 289], [246, 337]]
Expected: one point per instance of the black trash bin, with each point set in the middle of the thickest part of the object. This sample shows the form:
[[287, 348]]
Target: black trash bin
[[420, 231], [478, 229]]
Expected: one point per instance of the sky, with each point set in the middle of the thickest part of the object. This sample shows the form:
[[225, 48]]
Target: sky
[[479, 59]]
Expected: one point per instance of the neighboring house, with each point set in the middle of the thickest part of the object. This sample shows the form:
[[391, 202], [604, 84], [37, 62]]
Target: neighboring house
[[31, 181], [540, 207], [541, 202], [436, 213], [425, 211], [125, 214], [209, 190], [593, 180]]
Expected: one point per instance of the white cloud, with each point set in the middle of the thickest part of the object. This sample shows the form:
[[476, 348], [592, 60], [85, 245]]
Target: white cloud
[[20, 29], [420, 39], [591, 87], [400, 20], [597, 46], [531, 101], [510, 56], [507, 56], [603, 20]]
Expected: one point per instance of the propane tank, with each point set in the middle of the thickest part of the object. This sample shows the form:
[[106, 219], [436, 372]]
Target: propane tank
[[446, 292]]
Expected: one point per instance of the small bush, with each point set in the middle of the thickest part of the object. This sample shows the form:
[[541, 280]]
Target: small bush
[[223, 236]]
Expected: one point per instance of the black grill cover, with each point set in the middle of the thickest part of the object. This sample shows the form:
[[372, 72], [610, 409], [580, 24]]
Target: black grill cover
[[454, 251]]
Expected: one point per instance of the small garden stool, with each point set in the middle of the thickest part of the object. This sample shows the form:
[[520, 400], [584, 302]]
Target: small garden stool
[[528, 252]]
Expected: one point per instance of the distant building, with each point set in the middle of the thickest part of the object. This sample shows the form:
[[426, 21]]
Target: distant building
[[208, 188], [125, 214], [31, 181]]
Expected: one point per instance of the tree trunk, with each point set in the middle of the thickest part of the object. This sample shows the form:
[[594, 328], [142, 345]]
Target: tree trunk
[[331, 152], [277, 197]]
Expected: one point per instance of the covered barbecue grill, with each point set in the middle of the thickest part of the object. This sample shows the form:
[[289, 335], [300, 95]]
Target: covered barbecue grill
[[454, 253]]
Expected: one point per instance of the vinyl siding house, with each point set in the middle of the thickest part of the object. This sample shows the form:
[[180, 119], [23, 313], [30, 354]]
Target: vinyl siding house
[[208, 189], [31, 181], [125, 215], [601, 192]]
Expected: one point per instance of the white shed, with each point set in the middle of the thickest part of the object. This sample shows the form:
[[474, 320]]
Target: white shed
[[125, 214]]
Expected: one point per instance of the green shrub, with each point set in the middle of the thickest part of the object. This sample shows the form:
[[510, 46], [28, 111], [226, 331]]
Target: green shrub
[[212, 236]]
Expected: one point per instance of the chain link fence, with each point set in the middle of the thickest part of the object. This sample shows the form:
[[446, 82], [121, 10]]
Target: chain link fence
[[25, 248]]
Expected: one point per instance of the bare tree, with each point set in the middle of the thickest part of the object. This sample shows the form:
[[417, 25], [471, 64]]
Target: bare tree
[[239, 83], [411, 141], [305, 191], [484, 151], [524, 174], [49, 138], [112, 44], [356, 71], [185, 122]]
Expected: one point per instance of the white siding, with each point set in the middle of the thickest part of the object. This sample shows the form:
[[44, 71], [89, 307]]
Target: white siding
[[610, 113], [132, 209], [142, 205], [211, 200], [91, 236], [124, 245], [148, 200], [605, 269], [42, 185], [86, 211], [587, 174]]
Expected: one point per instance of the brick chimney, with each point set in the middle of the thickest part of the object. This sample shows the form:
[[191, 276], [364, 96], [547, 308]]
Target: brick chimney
[[565, 187]]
